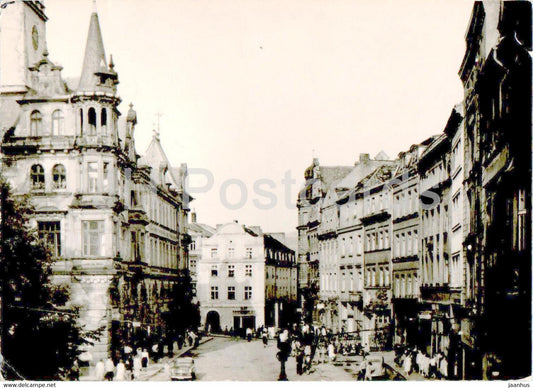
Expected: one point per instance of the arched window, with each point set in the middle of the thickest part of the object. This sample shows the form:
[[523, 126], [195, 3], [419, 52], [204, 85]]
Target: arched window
[[59, 177], [92, 122], [36, 120], [103, 121], [37, 177], [57, 123]]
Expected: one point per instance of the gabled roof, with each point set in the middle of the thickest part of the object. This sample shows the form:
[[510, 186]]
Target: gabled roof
[[328, 175], [203, 229], [380, 175], [156, 158]]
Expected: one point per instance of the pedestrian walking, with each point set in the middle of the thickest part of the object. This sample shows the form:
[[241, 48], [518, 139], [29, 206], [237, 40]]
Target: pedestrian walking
[[155, 352], [109, 370], [74, 374], [331, 352], [144, 358], [362, 370], [433, 366], [299, 355], [121, 371], [407, 363], [99, 370], [137, 364], [307, 357], [249, 334], [265, 337]]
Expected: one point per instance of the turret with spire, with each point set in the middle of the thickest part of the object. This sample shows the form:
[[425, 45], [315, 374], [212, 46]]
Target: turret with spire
[[96, 94], [96, 75]]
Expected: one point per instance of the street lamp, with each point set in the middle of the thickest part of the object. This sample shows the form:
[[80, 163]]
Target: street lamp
[[284, 347]]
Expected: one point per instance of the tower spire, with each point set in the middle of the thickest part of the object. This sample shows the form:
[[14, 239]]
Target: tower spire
[[95, 70]]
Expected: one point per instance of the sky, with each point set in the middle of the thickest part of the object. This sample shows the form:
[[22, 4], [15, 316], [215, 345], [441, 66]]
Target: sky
[[249, 91]]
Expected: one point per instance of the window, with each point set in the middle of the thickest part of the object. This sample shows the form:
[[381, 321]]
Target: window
[[248, 270], [37, 177], [192, 246], [92, 122], [249, 253], [50, 234], [522, 220], [81, 121], [231, 271], [214, 253], [214, 270], [92, 175], [247, 292], [57, 123], [214, 292], [92, 237], [59, 177], [231, 253], [103, 121], [106, 176], [231, 293], [36, 120], [192, 264]]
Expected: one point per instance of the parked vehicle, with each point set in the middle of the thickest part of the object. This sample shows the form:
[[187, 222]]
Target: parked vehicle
[[183, 369], [376, 368]]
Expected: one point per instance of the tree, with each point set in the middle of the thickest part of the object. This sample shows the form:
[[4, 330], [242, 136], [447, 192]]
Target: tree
[[40, 333], [183, 313]]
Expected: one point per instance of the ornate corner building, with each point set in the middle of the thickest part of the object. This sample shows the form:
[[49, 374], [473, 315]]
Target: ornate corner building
[[114, 222]]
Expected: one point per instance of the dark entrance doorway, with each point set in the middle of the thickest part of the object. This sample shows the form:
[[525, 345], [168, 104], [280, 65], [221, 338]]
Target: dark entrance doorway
[[212, 322]]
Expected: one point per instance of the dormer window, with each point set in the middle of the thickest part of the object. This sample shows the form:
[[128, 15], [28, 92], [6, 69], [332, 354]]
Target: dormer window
[[36, 120], [37, 177], [59, 176], [57, 123], [92, 122]]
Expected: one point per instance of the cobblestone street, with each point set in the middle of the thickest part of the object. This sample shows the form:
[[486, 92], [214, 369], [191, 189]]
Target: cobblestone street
[[238, 360]]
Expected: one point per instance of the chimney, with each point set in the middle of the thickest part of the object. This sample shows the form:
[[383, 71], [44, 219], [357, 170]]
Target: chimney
[[364, 157], [193, 217]]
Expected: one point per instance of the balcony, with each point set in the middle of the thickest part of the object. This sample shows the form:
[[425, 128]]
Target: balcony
[[376, 216], [94, 201], [32, 144], [137, 216], [94, 141], [351, 296]]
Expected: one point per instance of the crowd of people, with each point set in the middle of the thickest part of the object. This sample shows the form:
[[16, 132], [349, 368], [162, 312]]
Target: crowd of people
[[415, 360], [313, 345], [129, 364]]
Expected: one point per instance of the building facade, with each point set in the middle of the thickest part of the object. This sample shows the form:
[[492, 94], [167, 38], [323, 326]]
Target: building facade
[[447, 235], [245, 280], [317, 181], [405, 246], [376, 220], [110, 219], [496, 75], [198, 232]]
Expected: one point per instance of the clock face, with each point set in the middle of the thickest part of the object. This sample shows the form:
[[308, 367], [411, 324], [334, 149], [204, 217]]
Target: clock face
[[35, 37]]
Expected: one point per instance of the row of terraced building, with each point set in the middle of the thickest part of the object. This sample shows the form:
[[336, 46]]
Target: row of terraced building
[[433, 249]]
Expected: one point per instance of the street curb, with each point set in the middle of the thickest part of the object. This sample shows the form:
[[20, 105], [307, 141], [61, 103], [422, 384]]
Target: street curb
[[176, 355]]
